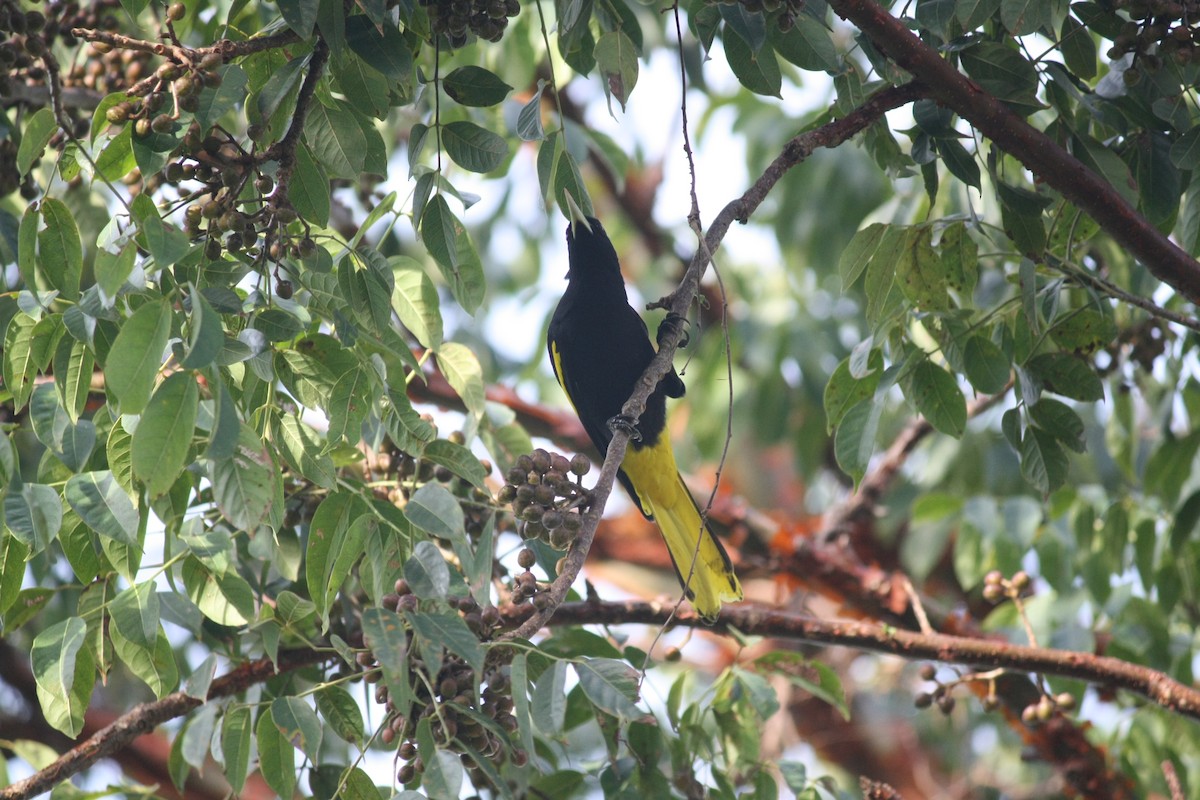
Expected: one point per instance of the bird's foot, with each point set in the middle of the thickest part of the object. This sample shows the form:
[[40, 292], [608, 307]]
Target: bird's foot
[[622, 423], [674, 322]]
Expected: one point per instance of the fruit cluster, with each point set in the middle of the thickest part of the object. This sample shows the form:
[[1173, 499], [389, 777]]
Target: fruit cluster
[[548, 504], [455, 19], [1156, 30], [467, 712]]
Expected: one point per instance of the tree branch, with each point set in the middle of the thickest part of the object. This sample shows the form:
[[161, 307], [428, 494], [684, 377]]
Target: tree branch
[[145, 717], [1037, 151], [1155, 686], [795, 151]]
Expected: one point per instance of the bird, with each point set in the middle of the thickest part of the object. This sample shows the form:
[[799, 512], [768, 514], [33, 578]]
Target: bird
[[599, 347]]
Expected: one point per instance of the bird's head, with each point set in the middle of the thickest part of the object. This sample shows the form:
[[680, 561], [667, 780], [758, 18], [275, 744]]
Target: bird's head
[[589, 249]]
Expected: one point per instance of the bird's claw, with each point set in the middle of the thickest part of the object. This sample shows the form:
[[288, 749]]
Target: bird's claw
[[622, 423], [672, 322]]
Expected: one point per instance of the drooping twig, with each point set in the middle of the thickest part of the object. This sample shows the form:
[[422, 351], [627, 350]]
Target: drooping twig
[[284, 151], [147, 716]]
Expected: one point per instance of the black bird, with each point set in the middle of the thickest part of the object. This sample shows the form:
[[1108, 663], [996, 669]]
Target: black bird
[[599, 347]]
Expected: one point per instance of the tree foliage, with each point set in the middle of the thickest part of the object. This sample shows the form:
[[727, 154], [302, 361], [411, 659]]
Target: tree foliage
[[248, 246]]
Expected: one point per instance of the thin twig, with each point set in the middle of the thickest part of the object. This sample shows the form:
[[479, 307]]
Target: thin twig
[[794, 152]]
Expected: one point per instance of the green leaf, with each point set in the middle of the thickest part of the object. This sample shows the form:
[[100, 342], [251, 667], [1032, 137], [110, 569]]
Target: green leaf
[[1024, 16], [27, 246], [300, 15], [1063, 423], [549, 699], [446, 239], [475, 86], [458, 459], [973, 13], [113, 269], [61, 667], [136, 355], [443, 774], [960, 259], [363, 85], [843, 391], [164, 433], [1185, 151], [529, 118], [235, 746], [472, 147], [341, 710], [1043, 462], [811, 675], [135, 612], [808, 44], [21, 354], [13, 554], [611, 685], [299, 724], [1068, 376], [959, 161], [246, 485], [937, 397], [60, 251], [919, 272], [103, 505], [384, 632], [276, 756], [327, 535], [987, 368], [434, 510], [1078, 49], [349, 403], [33, 513], [115, 159], [277, 325], [448, 630], [1002, 71], [465, 376], [336, 140], [303, 451], [206, 334], [39, 129], [617, 58], [222, 596], [309, 189], [383, 48], [758, 72], [427, 573], [855, 438], [71, 442], [415, 301]]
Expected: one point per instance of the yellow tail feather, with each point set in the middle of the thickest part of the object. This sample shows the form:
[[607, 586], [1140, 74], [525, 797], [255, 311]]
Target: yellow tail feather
[[663, 495]]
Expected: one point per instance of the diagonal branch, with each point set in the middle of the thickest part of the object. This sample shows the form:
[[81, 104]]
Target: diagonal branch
[[1037, 151], [795, 151], [146, 717]]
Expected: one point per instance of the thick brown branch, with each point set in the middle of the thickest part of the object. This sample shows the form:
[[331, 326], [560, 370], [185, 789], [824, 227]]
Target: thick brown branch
[[147, 716], [1105, 671], [679, 301], [1037, 151]]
